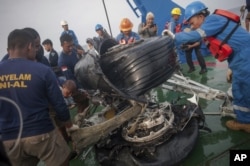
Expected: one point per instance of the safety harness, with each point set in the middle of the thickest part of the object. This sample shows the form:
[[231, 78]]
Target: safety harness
[[220, 49]]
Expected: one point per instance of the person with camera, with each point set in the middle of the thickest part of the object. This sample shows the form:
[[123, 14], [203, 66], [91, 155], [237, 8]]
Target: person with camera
[[149, 28]]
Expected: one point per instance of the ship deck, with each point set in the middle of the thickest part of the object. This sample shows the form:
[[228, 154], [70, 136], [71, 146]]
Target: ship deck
[[213, 148]]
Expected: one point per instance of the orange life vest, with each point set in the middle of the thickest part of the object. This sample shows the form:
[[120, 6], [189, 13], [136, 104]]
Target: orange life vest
[[176, 29], [219, 49]]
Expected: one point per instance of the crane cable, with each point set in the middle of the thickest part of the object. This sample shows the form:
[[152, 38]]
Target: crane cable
[[107, 18]]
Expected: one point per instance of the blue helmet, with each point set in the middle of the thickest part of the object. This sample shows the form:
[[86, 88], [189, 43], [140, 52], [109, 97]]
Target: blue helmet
[[98, 27], [194, 8]]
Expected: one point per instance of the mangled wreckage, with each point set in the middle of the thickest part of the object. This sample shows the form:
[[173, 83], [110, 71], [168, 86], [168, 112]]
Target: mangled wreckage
[[132, 128]]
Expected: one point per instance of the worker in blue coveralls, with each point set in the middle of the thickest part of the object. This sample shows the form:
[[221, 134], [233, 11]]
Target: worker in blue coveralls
[[227, 41], [189, 48], [39, 50], [66, 30], [102, 33], [174, 25], [68, 57], [102, 36], [126, 36], [28, 133]]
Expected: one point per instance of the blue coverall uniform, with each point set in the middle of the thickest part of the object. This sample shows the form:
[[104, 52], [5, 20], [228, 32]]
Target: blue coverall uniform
[[239, 60], [33, 86], [67, 64], [172, 25]]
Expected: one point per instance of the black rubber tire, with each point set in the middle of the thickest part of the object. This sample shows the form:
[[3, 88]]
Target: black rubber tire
[[134, 69], [89, 74], [176, 149], [128, 70]]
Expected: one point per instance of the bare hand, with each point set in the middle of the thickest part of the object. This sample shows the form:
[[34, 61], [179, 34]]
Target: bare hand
[[229, 75]]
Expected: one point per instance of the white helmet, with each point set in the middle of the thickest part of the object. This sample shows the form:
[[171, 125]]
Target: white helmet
[[63, 22]]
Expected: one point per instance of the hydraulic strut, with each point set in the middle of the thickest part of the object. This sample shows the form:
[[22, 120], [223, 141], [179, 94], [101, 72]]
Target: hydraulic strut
[[185, 85]]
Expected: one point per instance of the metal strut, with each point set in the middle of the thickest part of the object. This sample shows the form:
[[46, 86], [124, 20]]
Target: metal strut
[[185, 85]]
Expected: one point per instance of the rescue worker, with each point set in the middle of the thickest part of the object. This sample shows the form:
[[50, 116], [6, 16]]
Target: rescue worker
[[102, 36], [68, 57], [39, 53], [80, 96], [66, 30], [127, 36], [53, 56], [149, 28], [218, 28], [174, 25], [39, 49], [189, 48], [102, 33], [33, 89]]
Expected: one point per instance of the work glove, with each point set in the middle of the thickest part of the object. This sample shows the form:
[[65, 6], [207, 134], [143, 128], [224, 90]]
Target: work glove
[[168, 33], [229, 75]]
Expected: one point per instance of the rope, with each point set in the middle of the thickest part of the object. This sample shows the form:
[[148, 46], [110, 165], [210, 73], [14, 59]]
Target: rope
[[21, 122]]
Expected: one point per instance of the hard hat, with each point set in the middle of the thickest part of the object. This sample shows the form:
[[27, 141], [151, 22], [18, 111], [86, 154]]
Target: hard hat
[[176, 11], [194, 8], [98, 27], [63, 22], [126, 25]]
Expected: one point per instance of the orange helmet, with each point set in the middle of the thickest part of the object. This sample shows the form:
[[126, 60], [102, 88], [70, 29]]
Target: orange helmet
[[126, 25]]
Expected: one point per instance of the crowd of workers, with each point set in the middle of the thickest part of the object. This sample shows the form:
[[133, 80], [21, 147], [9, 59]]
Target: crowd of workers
[[35, 88]]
